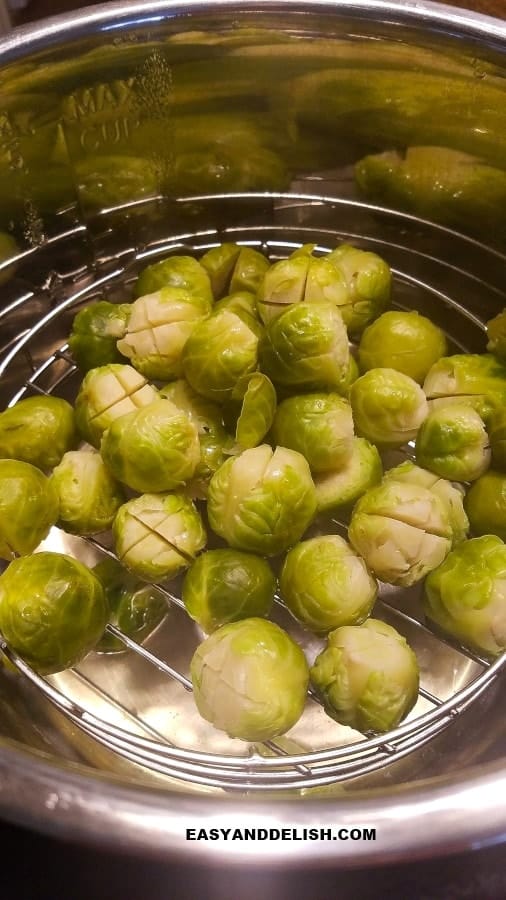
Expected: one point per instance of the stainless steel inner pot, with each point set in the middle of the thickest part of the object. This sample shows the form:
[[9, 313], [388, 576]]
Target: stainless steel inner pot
[[130, 132]]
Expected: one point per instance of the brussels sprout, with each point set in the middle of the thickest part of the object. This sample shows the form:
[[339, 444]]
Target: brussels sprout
[[479, 379], [453, 443], [497, 437], [284, 284], [232, 268], [452, 495], [243, 303], [258, 407], [8, 249], [402, 530], [204, 413], [465, 595], [28, 508], [325, 584], [262, 501], [184, 273], [306, 347], [235, 168], [109, 181], [53, 610], [156, 448], [158, 535], [368, 282], [135, 608], [367, 676], [405, 341], [107, 393], [485, 504], [224, 586], [158, 329], [88, 495], [342, 487], [320, 426], [496, 330], [218, 352], [95, 330], [38, 430], [250, 680], [388, 407]]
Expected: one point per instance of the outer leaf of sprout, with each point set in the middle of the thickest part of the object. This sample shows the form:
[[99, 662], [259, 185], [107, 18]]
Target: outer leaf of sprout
[[343, 487]]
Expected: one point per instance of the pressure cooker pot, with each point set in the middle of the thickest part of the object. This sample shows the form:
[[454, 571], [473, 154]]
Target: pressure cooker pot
[[133, 133]]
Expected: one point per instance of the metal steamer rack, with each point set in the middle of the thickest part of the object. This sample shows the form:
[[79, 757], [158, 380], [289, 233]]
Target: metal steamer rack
[[138, 704]]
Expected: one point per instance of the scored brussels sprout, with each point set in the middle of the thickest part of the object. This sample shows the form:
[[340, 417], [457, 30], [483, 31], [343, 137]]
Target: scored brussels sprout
[[250, 680], [388, 407], [110, 181], [88, 495], [341, 488], [325, 584], [367, 676], [368, 281], [496, 330], [107, 393], [28, 508], [158, 535], [184, 273], [405, 341], [262, 501], [485, 504], [306, 347], [258, 406], [95, 330], [453, 443], [224, 586], [283, 285], [158, 329], [497, 436], [479, 379], [465, 595], [53, 610], [156, 448], [218, 352], [452, 495], [402, 530], [320, 426], [38, 430], [233, 268], [135, 608]]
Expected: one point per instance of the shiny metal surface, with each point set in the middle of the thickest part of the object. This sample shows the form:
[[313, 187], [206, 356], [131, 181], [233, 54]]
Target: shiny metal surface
[[412, 785]]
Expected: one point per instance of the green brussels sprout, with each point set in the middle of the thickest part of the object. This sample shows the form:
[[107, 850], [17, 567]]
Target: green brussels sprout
[[340, 489], [325, 584], [95, 330], [496, 330], [158, 535], [232, 268], [224, 586], [479, 379], [38, 430], [250, 680], [465, 596], [203, 412], [258, 407], [262, 501], [88, 495], [451, 494], [283, 285], [388, 407], [135, 608], [107, 393], [243, 303], [235, 168], [402, 530], [405, 341], [368, 282], [109, 181], [8, 250], [485, 504], [218, 352], [453, 443], [154, 449], [306, 347], [28, 508], [320, 426], [184, 273], [497, 437], [53, 610], [367, 676], [158, 329]]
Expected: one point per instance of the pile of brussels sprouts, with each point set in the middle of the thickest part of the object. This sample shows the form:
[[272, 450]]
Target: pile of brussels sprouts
[[253, 401]]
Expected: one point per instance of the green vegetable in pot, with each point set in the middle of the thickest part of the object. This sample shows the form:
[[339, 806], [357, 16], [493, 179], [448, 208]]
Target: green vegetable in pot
[[88, 495], [368, 281], [479, 379], [218, 352], [28, 508], [320, 426], [258, 406], [485, 504], [452, 495], [465, 596], [232, 268], [404, 341], [367, 676], [262, 501], [224, 586], [453, 443], [243, 303], [38, 430], [340, 488], [388, 407], [95, 331], [53, 610], [107, 393], [325, 584], [250, 680], [135, 608], [110, 181], [184, 273]]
